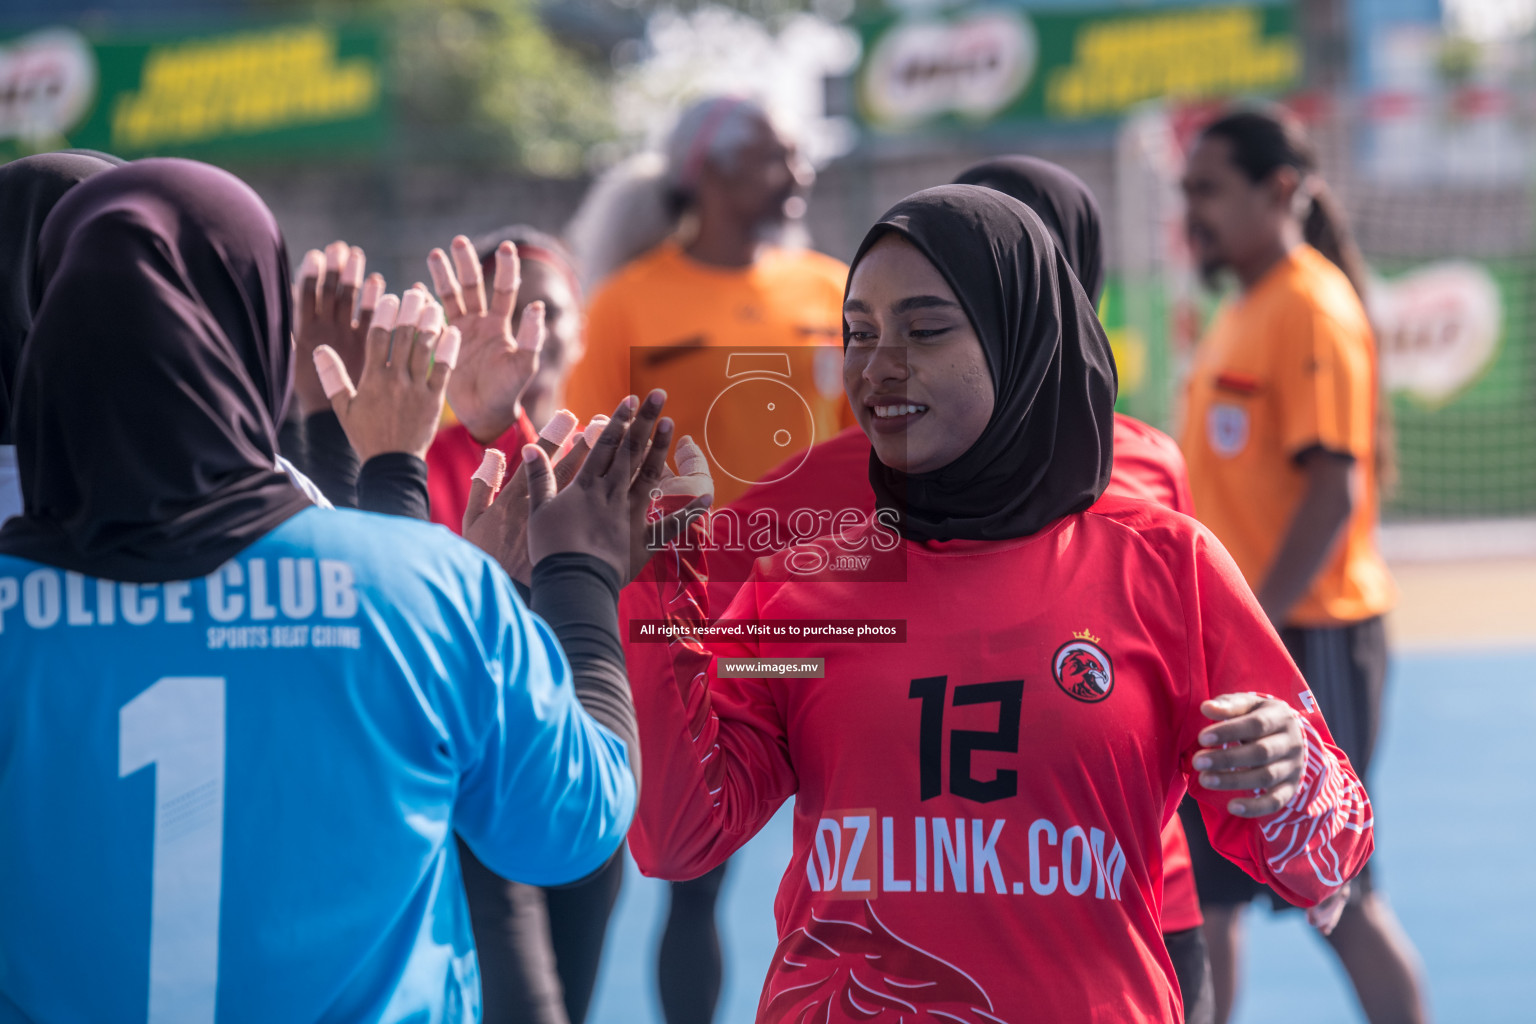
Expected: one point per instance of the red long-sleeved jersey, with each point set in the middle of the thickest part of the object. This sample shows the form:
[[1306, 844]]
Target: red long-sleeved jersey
[[1147, 465], [453, 459], [978, 809]]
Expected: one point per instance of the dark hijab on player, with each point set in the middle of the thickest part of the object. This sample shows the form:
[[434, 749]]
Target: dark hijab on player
[[1061, 200], [29, 189], [157, 368], [1047, 449]]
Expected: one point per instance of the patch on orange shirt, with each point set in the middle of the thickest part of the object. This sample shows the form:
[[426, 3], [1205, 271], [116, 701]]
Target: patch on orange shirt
[[1240, 383]]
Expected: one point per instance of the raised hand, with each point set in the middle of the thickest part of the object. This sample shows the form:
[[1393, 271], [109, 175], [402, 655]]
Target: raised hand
[[495, 366], [604, 510], [496, 518], [328, 286], [409, 360]]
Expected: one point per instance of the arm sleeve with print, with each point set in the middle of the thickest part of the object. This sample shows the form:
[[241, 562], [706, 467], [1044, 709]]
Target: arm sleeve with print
[[1323, 836], [715, 751], [1325, 376], [546, 792]]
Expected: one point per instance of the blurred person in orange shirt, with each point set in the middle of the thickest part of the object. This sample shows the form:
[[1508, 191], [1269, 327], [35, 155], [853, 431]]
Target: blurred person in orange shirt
[[1283, 442], [696, 292]]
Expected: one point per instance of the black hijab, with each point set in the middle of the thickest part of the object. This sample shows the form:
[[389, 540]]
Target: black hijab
[[29, 189], [156, 370], [1046, 451], [1061, 200]]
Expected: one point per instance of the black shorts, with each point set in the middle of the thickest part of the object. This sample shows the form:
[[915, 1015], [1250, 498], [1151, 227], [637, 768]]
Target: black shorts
[[1346, 669], [1192, 967]]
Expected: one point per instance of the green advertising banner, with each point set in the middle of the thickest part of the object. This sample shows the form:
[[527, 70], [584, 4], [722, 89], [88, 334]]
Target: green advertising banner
[[995, 63], [1457, 343], [268, 90]]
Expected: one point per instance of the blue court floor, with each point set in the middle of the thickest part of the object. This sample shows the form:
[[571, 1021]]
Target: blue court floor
[[1455, 797]]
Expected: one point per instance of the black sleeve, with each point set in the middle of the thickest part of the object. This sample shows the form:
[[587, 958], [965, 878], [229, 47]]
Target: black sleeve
[[290, 441], [332, 462], [578, 595], [394, 483]]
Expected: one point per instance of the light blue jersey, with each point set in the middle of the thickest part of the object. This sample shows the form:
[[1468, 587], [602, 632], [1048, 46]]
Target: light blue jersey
[[234, 798]]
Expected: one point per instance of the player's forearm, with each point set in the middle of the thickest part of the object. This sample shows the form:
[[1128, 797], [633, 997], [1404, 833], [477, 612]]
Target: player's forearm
[[712, 784], [577, 595], [290, 442], [1320, 519], [332, 464], [394, 484]]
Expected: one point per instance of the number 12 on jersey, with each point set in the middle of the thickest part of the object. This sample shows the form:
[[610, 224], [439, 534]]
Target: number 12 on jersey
[[177, 725]]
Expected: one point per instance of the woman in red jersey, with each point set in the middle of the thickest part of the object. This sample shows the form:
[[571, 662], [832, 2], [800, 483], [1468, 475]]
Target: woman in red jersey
[[832, 477], [978, 807]]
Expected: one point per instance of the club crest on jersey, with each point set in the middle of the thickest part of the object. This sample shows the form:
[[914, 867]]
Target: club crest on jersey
[[1227, 428], [1082, 669]]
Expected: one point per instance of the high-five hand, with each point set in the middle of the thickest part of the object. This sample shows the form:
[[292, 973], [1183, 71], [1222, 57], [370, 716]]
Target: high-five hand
[[328, 286], [397, 403], [496, 518], [603, 511], [494, 365]]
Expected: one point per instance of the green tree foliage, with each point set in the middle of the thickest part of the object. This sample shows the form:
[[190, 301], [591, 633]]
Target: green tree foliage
[[489, 75], [484, 81]]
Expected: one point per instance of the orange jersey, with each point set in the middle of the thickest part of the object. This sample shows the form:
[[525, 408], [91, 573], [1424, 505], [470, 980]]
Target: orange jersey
[[751, 358], [1287, 367]]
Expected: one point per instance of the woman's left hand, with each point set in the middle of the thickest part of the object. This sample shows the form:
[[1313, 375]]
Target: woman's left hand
[[397, 402], [1258, 746]]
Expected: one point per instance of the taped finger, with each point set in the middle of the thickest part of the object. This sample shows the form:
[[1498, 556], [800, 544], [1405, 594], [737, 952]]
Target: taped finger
[[445, 283], [352, 272], [307, 289], [507, 281], [448, 348], [691, 460], [559, 428], [380, 330], [471, 281], [493, 469], [332, 372], [412, 303]]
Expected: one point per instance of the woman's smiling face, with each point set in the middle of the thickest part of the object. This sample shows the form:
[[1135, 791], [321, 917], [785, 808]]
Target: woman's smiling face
[[914, 369]]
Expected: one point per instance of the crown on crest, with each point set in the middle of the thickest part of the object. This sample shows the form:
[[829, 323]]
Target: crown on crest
[[1085, 635]]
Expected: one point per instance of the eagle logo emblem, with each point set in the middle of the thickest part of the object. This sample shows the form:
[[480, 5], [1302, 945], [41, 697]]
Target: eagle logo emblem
[[1082, 669]]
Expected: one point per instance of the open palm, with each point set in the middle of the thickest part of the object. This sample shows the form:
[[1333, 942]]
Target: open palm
[[495, 366]]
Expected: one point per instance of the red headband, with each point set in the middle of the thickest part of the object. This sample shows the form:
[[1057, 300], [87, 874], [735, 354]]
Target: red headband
[[699, 147], [526, 251]]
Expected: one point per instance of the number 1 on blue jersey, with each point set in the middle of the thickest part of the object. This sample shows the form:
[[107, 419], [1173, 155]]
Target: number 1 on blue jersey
[[177, 725]]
